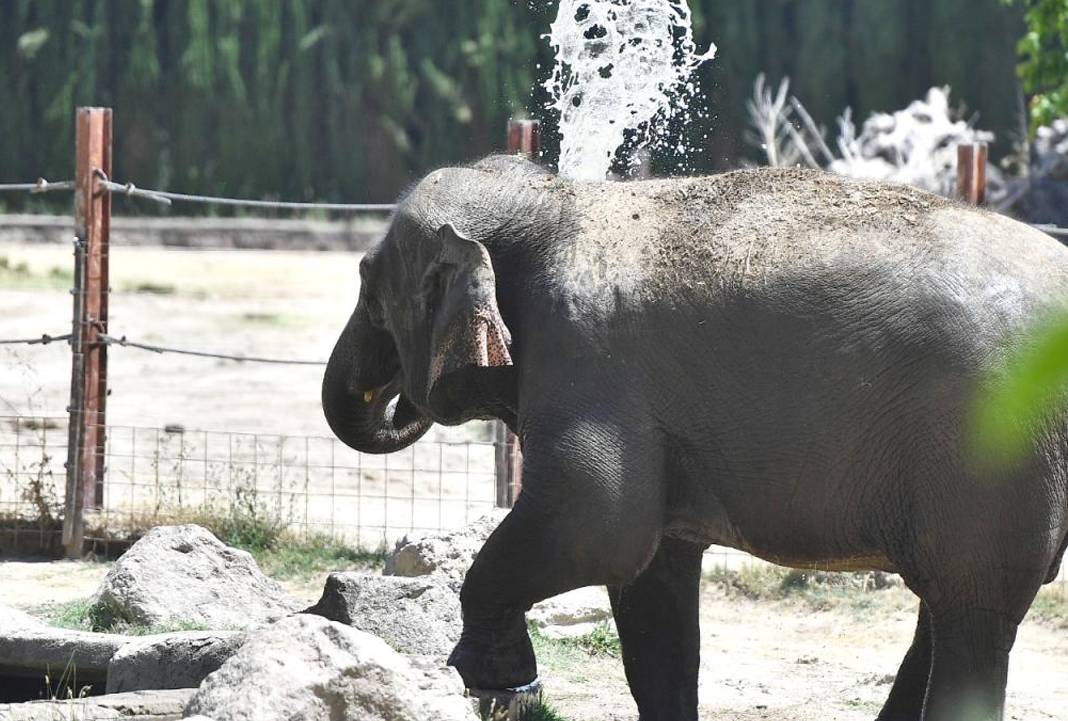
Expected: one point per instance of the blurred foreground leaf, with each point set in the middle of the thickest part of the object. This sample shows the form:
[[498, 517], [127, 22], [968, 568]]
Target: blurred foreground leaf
[[1021, 394]]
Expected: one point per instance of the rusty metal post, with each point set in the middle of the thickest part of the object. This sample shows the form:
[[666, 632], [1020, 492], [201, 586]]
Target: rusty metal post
[[524, 136], [971, 172], [88, 388]]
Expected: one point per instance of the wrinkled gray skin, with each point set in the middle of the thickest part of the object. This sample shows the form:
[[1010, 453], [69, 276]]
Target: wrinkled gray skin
[[778, 361]]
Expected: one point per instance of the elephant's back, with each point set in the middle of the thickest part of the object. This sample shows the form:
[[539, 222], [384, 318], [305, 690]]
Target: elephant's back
[[792, 240], [753, 232], [759, 225]]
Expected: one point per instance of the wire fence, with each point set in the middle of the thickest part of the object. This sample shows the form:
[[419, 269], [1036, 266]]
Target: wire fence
[[307, 485], [310, 486]]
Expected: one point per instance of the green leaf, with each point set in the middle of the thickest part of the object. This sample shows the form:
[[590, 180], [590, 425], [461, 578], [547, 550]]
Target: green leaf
[[1020, 396], [29, 44]]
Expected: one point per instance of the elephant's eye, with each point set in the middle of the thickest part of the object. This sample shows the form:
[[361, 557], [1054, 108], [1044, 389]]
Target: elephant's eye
[[431, 291], [374, 313]]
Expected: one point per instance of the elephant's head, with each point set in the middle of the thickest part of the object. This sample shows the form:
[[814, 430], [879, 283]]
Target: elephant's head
[[427, 314]]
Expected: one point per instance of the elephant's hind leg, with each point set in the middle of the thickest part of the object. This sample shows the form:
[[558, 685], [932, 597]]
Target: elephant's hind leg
[[657, 619], [910, 686], [970, 665]]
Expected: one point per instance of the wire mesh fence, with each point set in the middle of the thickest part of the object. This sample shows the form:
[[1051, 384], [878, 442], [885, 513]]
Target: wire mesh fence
[[307, 485], [304, 484]]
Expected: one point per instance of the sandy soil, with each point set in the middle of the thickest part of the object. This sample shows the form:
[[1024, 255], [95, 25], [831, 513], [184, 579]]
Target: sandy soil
[[787, 662], [284, 304], [759, 660]]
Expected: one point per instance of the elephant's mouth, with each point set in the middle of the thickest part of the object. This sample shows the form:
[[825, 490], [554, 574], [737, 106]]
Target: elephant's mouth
[[389, 403]]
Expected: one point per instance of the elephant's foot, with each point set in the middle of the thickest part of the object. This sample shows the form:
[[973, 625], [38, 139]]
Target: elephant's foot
[[490, 661]]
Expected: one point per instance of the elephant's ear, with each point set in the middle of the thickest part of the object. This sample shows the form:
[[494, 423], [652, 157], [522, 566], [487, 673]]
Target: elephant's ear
[[466, 325]]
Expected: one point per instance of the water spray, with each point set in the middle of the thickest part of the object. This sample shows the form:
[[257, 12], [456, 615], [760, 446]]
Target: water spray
[[621, 66]]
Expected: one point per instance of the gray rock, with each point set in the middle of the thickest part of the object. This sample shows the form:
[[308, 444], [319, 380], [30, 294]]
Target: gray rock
[[571, 614], [137, 706], [12, 619], [413, 615], [446, 555], [170, 660], [306, 667], [29, 647], [184, 574]]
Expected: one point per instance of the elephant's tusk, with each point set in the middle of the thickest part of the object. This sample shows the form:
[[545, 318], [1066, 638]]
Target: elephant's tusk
[[368, 396]]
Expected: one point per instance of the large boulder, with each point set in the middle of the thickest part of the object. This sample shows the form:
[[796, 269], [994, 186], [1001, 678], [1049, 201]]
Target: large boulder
[[445, 555], [413, 615], [571, 614], [185, 575], [306, 667], [170, 660]]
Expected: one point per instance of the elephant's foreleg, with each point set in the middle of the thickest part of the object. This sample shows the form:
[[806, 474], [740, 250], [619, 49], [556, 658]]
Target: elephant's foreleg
[[590, 514], [910, 687], [657, 619]]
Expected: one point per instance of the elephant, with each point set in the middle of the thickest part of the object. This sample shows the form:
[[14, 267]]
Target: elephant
[[782, 361]]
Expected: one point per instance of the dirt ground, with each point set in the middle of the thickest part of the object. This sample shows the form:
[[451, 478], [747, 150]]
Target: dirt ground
[[781, 661], [279, 304]]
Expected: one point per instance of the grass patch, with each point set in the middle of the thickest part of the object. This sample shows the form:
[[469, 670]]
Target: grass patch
[[302, 558], [602, 641], [278, 551], [543, 711], [281, 553], [81, 615], [20, 275], [1050, 607], [150, 288], [268, 319], [818, 590]]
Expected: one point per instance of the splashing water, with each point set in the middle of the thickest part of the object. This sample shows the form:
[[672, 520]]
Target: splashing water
[[621, 65]]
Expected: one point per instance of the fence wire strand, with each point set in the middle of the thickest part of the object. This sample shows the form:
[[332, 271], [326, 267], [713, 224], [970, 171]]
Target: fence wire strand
[[125, 342], [40, 186], [45, 339], [166, 198]]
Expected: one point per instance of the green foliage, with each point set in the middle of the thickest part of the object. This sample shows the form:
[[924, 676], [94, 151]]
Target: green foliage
[[1051, 608], [544, 711], [1044, 53], [351, 100], [1020, 394], [279, 552], [602, 641], [315, 555], [82, 615], [817, 590]]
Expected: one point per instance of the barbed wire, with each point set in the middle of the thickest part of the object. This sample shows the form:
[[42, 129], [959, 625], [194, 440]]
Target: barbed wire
[[125, 342], [41, 186], [167, 197], [45, 339]]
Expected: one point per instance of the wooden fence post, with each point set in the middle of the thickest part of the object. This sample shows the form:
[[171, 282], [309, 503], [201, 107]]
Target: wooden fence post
[[524, 136], [88, 386], [971, 172]]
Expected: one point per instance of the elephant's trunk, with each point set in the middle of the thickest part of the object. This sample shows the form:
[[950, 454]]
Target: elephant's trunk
[[361, 392]]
